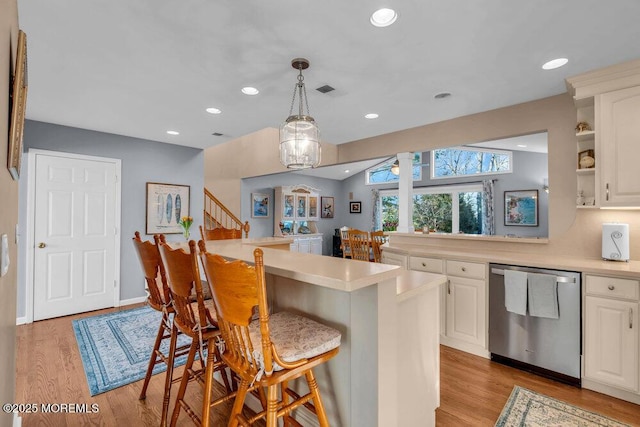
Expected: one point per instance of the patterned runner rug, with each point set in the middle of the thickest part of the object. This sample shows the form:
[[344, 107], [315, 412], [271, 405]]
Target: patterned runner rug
[[116, 347], [528, 408]]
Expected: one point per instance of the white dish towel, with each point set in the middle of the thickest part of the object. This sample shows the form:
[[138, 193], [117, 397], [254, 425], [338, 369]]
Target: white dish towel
[[543, 295], [515, 291]]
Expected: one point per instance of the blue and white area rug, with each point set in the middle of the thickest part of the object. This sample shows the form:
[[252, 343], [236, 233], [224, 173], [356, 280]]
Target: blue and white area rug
[[531, 409], [116, 347]]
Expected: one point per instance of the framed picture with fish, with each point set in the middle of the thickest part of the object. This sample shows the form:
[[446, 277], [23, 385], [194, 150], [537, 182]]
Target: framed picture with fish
[[166, 204]]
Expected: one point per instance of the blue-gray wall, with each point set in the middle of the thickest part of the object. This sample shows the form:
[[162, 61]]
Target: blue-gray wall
[[142, 161]]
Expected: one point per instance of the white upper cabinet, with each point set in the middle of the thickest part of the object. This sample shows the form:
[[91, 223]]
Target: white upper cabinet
[[610, 97], [618, 147]]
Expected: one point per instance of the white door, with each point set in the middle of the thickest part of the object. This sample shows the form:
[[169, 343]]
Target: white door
[[74, 235], [611, 342]]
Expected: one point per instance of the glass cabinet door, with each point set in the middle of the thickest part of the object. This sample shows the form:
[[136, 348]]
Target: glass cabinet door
[[288, 208], [313, 207], [301, 206]]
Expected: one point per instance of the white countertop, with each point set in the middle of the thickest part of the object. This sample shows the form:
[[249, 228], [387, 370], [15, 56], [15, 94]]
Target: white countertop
[[411, 283], [593, 266], [336, 273]]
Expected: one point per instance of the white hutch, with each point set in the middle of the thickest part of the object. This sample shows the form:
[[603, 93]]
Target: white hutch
[[296, 212]]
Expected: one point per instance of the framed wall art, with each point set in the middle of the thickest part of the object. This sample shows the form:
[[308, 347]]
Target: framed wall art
[[355, 207], [17, 105], [327, 206], [259, 205], [521, 208], [166, 204]]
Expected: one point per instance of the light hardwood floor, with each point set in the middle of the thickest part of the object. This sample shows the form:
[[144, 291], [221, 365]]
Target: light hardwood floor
[[473, 389]]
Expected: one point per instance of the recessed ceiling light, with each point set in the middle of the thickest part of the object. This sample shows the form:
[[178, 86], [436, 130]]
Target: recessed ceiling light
[[383, 17], [346, 171], [212, 110], [522, 146], [371, 116], [173, 132], [554, 63], [442, 95], [250, 90]]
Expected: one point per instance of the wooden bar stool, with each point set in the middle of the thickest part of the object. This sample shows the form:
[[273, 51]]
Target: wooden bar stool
[[271, 350], [159, 299], [194, 319]]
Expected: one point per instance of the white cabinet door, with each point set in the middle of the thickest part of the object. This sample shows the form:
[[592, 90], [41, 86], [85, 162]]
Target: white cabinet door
[[304, 245], [611, 342], [618, 149], [316, 245], [293, 247], [466, 302]]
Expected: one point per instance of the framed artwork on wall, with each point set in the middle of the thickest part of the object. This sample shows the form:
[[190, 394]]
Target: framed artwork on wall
[[521, 208], [166, 204], [355, 207], [17, 107], [328, 207], [259, 205]]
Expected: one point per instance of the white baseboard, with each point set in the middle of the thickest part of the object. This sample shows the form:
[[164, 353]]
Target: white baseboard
[[23, 320], [132, 301], [17, 421]]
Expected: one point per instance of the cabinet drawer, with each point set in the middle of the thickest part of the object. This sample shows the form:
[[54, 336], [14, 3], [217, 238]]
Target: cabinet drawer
[[471, 270], [613, 287], [430, 265]]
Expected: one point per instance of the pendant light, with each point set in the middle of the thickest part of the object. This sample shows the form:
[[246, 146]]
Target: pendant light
[[299, 134]]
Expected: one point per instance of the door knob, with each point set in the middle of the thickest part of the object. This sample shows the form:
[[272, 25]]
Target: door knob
[[42, 245]]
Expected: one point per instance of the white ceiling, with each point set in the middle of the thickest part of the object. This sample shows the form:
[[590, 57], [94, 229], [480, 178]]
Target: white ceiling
[[141, 67]]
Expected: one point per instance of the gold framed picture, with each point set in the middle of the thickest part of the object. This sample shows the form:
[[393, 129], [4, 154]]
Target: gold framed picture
[[18, 104]]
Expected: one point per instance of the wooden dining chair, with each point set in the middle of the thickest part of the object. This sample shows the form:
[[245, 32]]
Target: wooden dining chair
[[269, 351], [220, 233], [159, 298], [195, 319], [360, 245], [378, 238], [344, 242]]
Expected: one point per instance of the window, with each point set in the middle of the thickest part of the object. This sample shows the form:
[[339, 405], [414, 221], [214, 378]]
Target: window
[[381, 174], [447, 209], [464, 161]]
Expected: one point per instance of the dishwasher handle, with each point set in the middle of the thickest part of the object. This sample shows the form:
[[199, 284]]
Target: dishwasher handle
[[559, 279]]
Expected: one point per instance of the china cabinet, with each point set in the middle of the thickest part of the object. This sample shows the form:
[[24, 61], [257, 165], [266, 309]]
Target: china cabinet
[[296, 216]]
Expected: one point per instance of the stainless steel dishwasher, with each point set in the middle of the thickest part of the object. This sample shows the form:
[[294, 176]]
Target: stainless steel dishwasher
[[550, 347]]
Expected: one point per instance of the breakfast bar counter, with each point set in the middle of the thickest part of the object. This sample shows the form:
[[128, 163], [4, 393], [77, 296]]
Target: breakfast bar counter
[[387, 371]]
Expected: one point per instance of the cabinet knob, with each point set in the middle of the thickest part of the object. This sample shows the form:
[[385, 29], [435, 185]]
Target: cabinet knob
[[463, 268], [611, 287], [42, 245], [424, 264]]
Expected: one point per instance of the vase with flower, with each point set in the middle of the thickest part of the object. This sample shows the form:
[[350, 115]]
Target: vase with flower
[[185, 222]]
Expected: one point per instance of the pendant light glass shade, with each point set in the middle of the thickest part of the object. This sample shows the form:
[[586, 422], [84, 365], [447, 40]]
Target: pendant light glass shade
[[299, 134], [299, 143]]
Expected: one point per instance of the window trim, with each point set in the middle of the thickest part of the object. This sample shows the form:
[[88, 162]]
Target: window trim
[[432, 163]]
